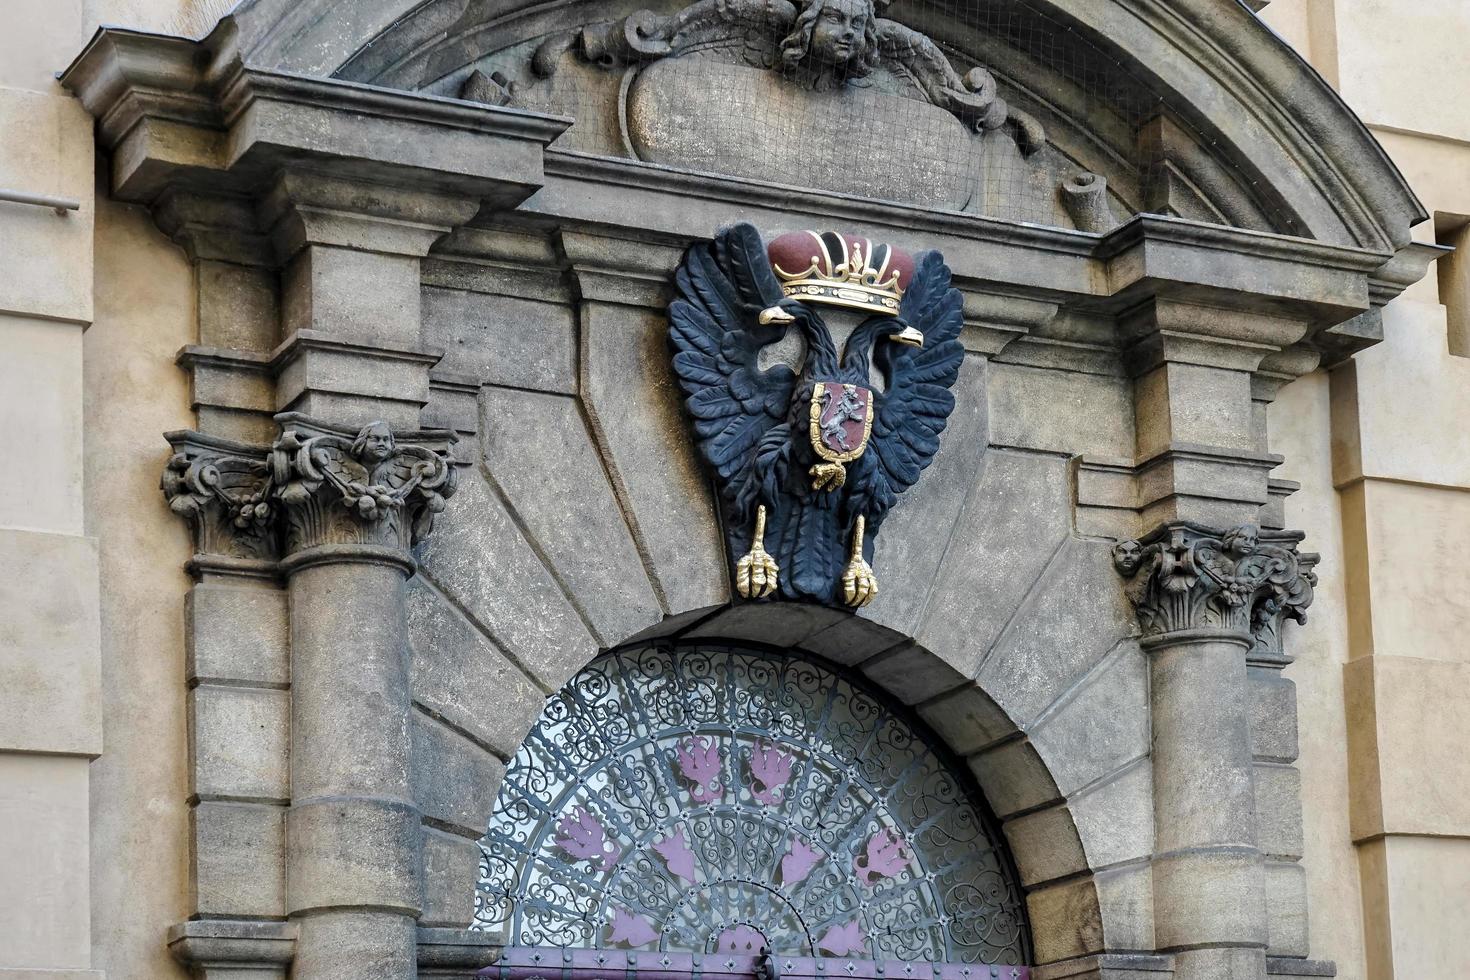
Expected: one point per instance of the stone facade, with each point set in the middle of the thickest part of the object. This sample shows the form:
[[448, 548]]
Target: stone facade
[[400, 363]]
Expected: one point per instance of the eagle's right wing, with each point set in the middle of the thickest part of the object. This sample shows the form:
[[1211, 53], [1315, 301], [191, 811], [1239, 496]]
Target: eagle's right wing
[[716, 336]]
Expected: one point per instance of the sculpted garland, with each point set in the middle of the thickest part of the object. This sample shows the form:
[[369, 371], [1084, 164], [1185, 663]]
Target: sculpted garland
[[809, 465]]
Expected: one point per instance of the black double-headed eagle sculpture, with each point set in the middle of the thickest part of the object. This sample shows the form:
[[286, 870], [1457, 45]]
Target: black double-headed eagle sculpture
[[809, 464]]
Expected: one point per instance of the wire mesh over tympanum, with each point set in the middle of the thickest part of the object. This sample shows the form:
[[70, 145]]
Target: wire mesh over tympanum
[[715, 799]]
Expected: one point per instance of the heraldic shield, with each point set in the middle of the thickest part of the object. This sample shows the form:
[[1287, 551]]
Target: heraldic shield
[[842, 420]]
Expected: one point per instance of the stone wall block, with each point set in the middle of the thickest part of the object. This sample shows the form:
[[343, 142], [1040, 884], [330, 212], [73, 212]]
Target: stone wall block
[[451, 869], [967, 720], [354, 853], [1126, 897], [238, 741], [50, 671], [913, 674], [785, 625], [239, 307], [1014, 778], [639, 422], [362, 297], [505, 340], [1209, 897], [1065, 920], [1074, 616], [1102, 725], [239, 859], [538, 449], [1034, 408], [1016, 517], [1286, 902], [457, 673], [1116, 820], [908, 554], [1278, 793], [455, 781], [238, 634], [1045, 845], [479, 558], [1273, 716]]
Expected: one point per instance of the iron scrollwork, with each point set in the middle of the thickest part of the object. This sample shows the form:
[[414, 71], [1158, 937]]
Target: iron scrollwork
[[719, 800]]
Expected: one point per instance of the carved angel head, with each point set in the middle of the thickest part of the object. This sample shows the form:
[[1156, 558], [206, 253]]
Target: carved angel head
[[373, 444], [1127, 556], [1241, 542], [831, 42]]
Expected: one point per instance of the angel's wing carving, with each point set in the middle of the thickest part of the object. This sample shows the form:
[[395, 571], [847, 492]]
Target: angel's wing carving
[[914, 409], [716, 336]]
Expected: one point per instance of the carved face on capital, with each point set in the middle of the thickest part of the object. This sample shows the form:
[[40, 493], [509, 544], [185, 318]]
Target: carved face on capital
[[1241, 542], [374, 443]]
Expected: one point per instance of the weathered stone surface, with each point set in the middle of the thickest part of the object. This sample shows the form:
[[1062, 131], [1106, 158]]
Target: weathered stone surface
[[1101, 725], [918, 532], [237, 634], [239, 864], [238, 307], [487, 567], [1075, 615], [1273, 716], [912, 674], [1045, 845], [362, 297], [1278, 793], [538, 450], [967, 719], [639, 422], [503, 339], [1014, 778], [851, 640], [782, 624], [1065, 920], [1209, 896], [451, 869], [1126, 897], [454, 780], [1115, 821], [1286, 898], [1018, 514], [457, 673], [238, 743], [1032, 408], [353, 853], [357, 945]]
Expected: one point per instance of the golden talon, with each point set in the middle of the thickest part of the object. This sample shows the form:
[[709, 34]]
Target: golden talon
[[828, 476], [859, 584], [756, 574]]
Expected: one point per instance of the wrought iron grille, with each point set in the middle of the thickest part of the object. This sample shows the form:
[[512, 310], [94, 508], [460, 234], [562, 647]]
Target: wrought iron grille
[[717, 799]]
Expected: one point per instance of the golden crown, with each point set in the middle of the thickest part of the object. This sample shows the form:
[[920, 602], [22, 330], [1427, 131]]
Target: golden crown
[[841, 270]]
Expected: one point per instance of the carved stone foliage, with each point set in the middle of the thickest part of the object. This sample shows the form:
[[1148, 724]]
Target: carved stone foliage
[[1186, 576], [314, 486], [365, 490], [223, 489]]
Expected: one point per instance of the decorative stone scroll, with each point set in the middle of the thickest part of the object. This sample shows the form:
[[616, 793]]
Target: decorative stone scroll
[[1186, 576], [315, 486]]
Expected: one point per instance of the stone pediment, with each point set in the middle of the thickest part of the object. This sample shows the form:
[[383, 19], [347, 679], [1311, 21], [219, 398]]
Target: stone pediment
[[1189, 108]]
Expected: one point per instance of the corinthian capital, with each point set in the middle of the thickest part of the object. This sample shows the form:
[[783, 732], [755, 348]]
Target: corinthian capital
[[223, 489], [375, 488], [1185, 577]]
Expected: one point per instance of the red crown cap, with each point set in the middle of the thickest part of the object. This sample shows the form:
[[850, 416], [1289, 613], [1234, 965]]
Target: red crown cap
[[841, 270]]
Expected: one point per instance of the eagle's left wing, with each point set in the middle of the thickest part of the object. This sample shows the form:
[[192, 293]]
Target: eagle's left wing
[[915, 408]]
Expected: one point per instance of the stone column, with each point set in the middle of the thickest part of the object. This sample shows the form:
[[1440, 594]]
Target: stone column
[[1206, 600], [352, 508]]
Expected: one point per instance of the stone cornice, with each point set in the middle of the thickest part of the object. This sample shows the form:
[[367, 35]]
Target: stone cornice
[[1185, 577]]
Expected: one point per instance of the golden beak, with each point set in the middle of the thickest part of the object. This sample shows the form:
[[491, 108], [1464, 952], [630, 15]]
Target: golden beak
[[774, 314], [908, 335]]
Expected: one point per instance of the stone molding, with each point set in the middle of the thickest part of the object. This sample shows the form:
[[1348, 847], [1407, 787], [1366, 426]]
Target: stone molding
[[259, 510], [1186, 578]]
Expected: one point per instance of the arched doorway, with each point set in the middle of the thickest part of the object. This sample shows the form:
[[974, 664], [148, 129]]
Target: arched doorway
[[733, 799]]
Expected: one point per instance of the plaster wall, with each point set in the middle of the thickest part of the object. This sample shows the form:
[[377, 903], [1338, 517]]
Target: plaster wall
[[1388, 740]]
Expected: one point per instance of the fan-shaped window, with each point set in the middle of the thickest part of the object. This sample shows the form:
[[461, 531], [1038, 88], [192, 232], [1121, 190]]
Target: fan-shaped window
[[717, 800]]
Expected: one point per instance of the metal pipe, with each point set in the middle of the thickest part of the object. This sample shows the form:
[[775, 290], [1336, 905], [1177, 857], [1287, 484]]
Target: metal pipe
[[60, 205]]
